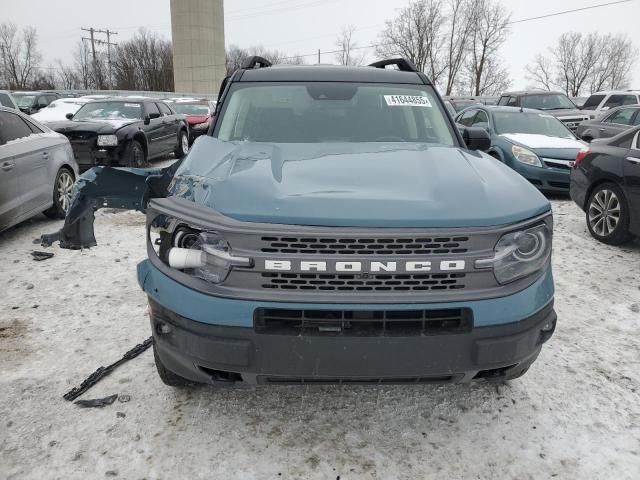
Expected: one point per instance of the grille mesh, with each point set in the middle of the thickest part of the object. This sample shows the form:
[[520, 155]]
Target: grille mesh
[[365, 246], [351, 282]]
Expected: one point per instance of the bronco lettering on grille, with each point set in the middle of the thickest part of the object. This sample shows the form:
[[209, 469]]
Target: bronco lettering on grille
[[369, 267]]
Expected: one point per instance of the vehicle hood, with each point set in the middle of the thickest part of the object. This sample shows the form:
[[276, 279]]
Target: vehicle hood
[[357, 185], [196, 119], [545, 146], [568, 113], [98, 126]]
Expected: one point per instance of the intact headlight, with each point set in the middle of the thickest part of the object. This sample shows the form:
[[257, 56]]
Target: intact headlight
[[526, 156], [519, 254], [202, 254], [107, 140]]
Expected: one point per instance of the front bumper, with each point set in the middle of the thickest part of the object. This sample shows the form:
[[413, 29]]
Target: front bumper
[[90, 157], [211, 339], [547, 179]]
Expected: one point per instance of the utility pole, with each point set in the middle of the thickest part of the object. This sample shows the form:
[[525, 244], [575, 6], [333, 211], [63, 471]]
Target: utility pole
[[92, 31], [108, 43], [318, 56]]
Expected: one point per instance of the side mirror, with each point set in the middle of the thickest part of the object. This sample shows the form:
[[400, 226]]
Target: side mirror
[[476, 138], [69, 116], [154, 115], [147, 119]]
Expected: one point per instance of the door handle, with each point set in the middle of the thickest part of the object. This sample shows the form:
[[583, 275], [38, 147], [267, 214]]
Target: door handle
[[602, 129], [45, 154], [7, 166], [633, 160]]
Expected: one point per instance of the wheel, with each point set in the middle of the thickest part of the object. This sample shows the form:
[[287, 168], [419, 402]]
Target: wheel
[[62, 190], [168, 377], [183, 144], [608, 215], [135, 155]]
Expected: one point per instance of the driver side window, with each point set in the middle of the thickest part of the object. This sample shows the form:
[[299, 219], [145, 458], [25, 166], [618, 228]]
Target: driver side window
[[466, 118], [152, 110], [481, 120]]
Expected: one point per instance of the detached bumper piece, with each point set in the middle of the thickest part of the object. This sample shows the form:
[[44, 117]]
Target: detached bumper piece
[[359, 347]]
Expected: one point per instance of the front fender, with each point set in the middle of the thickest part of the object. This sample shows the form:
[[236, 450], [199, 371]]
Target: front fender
[[126, 188]]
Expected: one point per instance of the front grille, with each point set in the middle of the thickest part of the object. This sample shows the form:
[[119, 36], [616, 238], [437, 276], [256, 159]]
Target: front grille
[[354, 381], [556, 163], [362, 323], [365, 246], [363, 282]]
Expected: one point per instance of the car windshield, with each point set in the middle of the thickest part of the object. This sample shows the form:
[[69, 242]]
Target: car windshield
[[592, 102], [24, 100], [191, 108], [109, 111], [547, 101], [318, 112], [531, 123]]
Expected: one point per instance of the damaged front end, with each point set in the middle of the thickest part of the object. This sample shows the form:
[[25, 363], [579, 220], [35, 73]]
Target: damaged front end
[[100, 187]]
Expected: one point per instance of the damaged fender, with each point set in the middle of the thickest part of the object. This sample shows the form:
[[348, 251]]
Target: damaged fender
[[126, 188]]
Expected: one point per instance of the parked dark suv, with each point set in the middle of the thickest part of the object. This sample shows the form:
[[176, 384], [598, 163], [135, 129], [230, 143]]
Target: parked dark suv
[[553, 103], [32, 102]]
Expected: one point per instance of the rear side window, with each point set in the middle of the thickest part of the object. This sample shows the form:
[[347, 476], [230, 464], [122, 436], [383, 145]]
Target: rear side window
[[152, 108], [12, 127], [618, 100], [512, 102], [5, 101], [636, 120], [592, 102], [164, 109], [621, 117]]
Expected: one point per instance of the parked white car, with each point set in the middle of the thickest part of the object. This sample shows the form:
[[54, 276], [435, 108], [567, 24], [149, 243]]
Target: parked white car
[[601, 102], [58, 109]]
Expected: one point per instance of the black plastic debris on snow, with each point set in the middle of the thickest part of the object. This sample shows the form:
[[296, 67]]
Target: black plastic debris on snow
[[102, 372], [97, 402], [40, 256]]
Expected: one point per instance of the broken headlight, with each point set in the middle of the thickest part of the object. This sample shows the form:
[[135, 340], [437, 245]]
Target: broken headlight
[[202, 254], [519, 254]]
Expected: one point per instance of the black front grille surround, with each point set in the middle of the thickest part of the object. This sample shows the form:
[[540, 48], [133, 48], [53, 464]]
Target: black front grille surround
[[362, 323], [365, 246], [363, 282]]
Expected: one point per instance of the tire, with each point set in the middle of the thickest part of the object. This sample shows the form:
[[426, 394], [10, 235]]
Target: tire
[[608, 215], [168, 377], [135, 155], [182, 148], [62, 190]]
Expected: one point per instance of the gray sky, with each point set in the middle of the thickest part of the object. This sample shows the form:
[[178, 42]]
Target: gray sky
[[303, 26]]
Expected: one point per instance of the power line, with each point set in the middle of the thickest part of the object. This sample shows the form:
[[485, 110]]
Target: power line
[[569, 11]]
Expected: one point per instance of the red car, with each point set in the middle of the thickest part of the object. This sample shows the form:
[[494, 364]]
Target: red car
[[198, 115]]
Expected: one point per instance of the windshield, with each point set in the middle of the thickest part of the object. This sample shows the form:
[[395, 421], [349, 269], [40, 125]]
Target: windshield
[[24, 100], [109, 111], [547, 101], [317, 112], [191, 108], [592, 102], [532, 123]]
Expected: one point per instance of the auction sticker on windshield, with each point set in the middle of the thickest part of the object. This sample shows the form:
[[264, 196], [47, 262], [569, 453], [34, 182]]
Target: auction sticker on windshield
[[407, 100]]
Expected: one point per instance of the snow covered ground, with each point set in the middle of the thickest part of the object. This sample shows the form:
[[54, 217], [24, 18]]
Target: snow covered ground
[[576, 414]]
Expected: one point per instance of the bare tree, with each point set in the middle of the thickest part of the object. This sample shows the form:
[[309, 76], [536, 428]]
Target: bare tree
[[541, 73], [145, 62], [617, 59], [44, 79], [489, 32], [576, 56], [237, 55], [82, 64], [19, 55], [346, 46], [417, 34], [460, 23]]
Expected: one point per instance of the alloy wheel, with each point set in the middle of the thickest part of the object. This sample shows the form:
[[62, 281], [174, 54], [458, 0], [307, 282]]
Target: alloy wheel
[[184, 140], [64, 189], [604, 212]]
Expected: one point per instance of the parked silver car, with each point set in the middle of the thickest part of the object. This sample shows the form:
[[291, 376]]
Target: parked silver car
[[37, 169]]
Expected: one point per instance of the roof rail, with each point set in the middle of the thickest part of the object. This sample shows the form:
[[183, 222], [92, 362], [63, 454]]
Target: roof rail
[[403, 64], [255, 61]]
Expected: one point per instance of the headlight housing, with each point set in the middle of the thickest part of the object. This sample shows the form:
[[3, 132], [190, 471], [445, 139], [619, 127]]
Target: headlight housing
[[519, 254], [526, 156], [201, 254], [107, 140], [201, 126]]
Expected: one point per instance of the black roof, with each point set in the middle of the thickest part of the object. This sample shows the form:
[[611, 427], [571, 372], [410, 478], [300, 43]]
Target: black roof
[[329, 73]]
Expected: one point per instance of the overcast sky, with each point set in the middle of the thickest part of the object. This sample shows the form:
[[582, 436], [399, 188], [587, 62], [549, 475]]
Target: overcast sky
[[304, 26]]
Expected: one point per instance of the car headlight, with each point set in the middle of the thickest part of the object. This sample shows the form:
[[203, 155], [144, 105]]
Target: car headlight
[[200, 126], [519, 254], [202, 254], [107, 140], [526, 156]]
